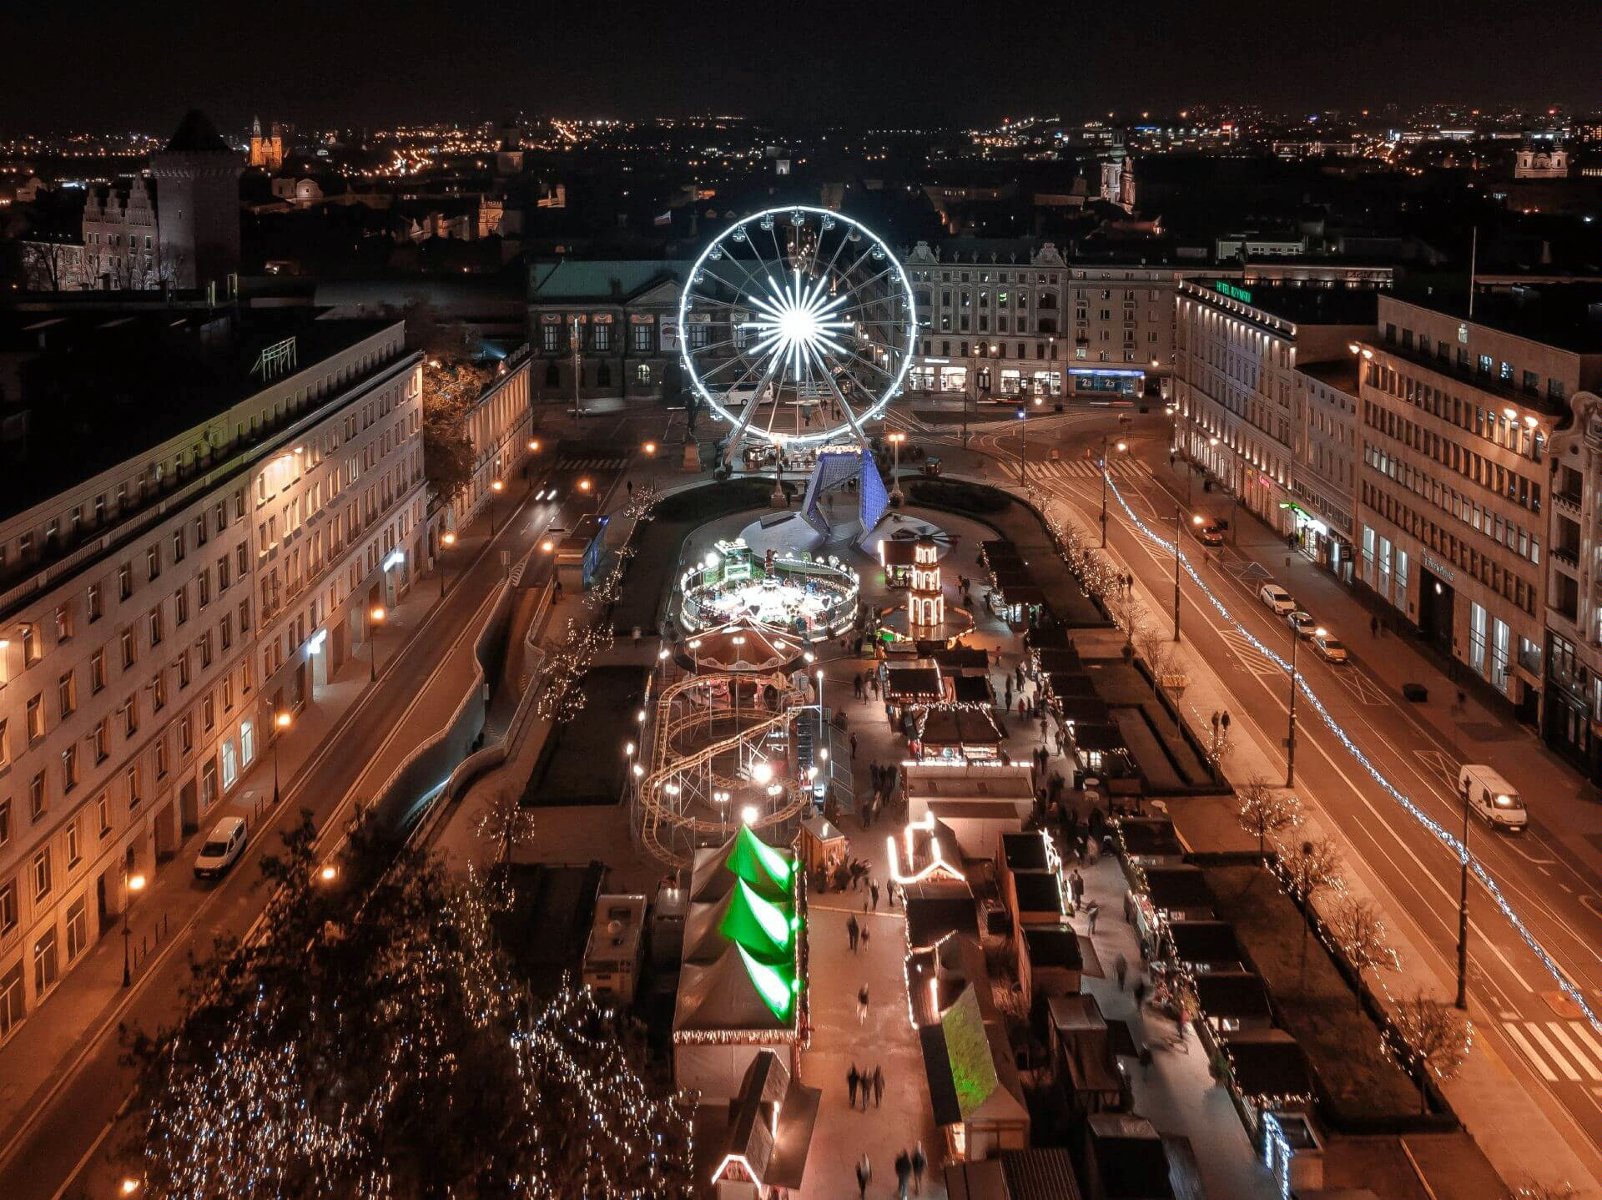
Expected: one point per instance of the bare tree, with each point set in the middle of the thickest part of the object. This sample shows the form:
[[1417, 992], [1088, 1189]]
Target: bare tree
[[1127, 612], [49, 266], [1360, 934], [503, 821], [1545, 1191], [1266, 811], [1157, 648], [1437, 1039], [1313, 867]]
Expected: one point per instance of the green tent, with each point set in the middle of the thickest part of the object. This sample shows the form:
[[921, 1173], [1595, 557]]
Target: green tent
[[765, 929], [767, 870]]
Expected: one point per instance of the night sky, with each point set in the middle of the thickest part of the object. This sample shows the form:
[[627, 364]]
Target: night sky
[[103, 65]]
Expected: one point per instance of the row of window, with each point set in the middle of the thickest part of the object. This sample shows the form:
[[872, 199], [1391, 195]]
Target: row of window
[[1483, 365], [1458, 551], [1483, 471], [1505, 428]]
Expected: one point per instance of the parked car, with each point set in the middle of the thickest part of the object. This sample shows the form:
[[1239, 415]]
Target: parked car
[[1329, 647], [1302, 622], [222, 848], [1277, 598], [1211, 535], [1493, 797]]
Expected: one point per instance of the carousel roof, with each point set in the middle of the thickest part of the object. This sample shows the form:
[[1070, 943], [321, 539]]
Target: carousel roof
[[761, 648]]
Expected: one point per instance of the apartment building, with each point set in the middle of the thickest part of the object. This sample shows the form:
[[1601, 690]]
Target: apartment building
[[144, 627], [1457, 532], [604, 328], [500, 425], [1265, 402]]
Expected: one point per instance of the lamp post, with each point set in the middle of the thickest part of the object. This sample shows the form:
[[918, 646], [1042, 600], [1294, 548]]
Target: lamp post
[[1290, 727], [578, 411], [1122, 446], [1179, 532], [820, 706], [585, 487], [496, 488], [446, 541], [132, 883], [895, 439], [1462, 907], [1023, 444], [734, 683], [375, 619], [281, 723]]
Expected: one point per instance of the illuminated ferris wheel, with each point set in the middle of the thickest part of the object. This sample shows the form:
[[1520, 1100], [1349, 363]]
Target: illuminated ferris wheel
[[796, 326]]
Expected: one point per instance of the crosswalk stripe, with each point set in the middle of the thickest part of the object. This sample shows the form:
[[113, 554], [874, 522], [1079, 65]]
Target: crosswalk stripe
[[1558, 1061], [1579, 1055], [1582, 1032], [1536, 1060]]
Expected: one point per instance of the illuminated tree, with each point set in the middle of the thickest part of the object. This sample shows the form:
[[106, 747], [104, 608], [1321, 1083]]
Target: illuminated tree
[[1265, 812], [502, 821], [1360, 934], [450, 392], [1436, 1039], [374, 1042], [1311, 868]]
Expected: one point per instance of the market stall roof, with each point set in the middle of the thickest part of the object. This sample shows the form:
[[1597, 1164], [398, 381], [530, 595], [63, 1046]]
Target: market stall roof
[[1237, 995], [973, 1054], [1041, 1174], [764, 928], [999, 550], [1038, 892], [821, 828], [1084, 710], [1010, 577], [1054, 946], [1150, 837], [1024, 851], [771, 1121], [913, 683], [1098, 737], [1059, 658], [1204, 942], [970, 689], [735, 992], [1064, 683], [951, 725], [1268, 1063], [1128, 1148], [961, 658], [759, 647], [1046, 637], [1180, 889], [897, 552]]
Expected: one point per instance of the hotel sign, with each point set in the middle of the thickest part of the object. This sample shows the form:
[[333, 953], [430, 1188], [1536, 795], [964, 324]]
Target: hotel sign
[[1233, 292], [1436, 567]]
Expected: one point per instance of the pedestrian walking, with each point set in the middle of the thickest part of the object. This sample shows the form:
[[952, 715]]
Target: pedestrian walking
[[862, 1004], [1076, 887], [903, 1173], [631, 487], [865, 933], [920, 1164], [1023, 708], [873, 889], [1140, 993], [856, 685], [878, 1085], [1121, 970], [853, 931], [1092, 911], [853, 1081], [864, 1176], [853, 747], [874, 683], [1373, 627]]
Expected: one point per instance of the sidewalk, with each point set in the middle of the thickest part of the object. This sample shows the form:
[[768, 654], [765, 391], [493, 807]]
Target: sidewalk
[[90, 998]]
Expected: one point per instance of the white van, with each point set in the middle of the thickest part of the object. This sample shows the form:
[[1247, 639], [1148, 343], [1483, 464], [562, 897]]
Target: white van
[[1493, 797], [222, 848]]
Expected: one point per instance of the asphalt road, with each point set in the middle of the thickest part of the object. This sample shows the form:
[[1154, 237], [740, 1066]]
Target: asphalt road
[[1550, 880]]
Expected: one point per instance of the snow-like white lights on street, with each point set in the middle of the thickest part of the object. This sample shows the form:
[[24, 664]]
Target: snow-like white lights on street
[[1437, 830], [795, 321]]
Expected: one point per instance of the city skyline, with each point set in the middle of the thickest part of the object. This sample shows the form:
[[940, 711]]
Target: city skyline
[[291, 61]]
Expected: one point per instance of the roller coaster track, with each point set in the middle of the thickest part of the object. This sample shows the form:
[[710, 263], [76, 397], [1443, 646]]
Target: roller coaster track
[[664, 826]]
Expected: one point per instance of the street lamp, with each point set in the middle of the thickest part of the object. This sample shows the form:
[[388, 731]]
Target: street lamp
[[650, 449], [132, 885], [1179, 532], [446, 541], [1290, 728], [1122, 446], [895, 440], [281, 723], [496, 488], [375, 619], [1023, 442], [327, 873], [1462, 906], [820, 706]]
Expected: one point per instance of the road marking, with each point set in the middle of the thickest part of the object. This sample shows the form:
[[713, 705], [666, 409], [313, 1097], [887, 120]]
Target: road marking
[[1558, 1061], [1578, 1054], [1519, 1040]]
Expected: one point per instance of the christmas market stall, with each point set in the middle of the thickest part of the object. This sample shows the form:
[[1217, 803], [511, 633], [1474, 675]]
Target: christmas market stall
[[959, 732], [908, 685], [771, 1120], [976, 801]]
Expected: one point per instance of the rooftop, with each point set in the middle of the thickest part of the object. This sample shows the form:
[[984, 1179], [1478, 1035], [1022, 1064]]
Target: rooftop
[[1565, 315], [1304, 305], [103, 387]]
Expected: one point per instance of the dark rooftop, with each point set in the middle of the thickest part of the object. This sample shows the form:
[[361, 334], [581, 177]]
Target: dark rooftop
[[1315, 305], [1235, 994], [1268, 1062], [101, 388], [1024, 851], [197, 135], [1179, 888], [1038, 892], [1204, 941], [1565, 315], [1054, 947]]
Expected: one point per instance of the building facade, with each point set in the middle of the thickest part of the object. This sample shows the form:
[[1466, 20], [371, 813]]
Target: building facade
[[120, 248], [146, 632], [1263, 403], [501, 425], [605, 328], [1458, 531], [1571, 719]]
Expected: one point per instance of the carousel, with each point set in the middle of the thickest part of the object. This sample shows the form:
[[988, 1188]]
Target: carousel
[[811, 598], [742, 645]]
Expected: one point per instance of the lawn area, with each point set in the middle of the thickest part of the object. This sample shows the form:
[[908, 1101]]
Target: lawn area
[[657, 542], [582, 762], [1358, 1083]]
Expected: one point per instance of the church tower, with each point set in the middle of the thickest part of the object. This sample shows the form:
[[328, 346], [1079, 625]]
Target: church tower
[[266, 152], [197, 204]]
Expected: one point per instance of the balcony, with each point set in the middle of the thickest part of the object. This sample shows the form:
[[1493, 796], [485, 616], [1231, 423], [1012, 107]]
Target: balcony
[[1568, 502]]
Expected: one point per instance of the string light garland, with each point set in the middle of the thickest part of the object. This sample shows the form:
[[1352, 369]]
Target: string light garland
[[1438, 831]]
